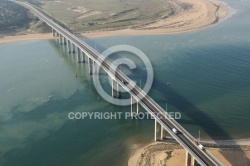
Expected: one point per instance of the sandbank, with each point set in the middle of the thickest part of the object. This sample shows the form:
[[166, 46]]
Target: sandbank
[[172, 154], [202, 14], [7, 39]]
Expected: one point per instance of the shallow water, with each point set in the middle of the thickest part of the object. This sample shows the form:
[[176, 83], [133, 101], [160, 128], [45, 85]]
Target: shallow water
[[208, 72]]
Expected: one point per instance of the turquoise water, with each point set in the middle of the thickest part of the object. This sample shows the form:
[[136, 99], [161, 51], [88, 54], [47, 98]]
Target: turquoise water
[[208, 72], [38, 90]]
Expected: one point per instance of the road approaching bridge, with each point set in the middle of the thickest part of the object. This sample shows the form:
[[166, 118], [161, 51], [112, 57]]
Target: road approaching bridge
[[194, 149]]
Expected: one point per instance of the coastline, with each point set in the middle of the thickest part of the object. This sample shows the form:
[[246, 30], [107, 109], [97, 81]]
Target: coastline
[[8, 39], [240, 142], [203, 14], [171, 153]]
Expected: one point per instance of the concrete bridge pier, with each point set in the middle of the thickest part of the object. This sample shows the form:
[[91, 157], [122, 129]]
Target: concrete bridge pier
[[158, 129], [135, 107], [132, 106], [78, 55], [60, 39], [94, 67], [73, 48], [53, 32], [190, 161], [90, 65], [83, 57], [162, 133], [118, 93], [69, 46], [64, 40], [113, 88]]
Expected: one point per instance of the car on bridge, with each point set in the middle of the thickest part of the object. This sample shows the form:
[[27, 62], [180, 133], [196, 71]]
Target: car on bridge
[[201, 147], [175, 131], [124, 82]]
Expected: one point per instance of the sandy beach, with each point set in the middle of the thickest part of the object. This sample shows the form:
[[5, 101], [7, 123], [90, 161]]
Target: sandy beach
[[7, 39], [172, 154], [202, 14]]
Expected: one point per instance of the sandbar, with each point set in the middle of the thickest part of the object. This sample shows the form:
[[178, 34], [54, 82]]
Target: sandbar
[[202, 14]]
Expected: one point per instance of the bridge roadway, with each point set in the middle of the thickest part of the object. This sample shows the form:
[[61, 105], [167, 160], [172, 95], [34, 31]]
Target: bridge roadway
[[203, 157]]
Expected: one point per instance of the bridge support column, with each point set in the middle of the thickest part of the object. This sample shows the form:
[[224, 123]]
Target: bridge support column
[[114, 89], [190, 161], [132, 106], [196, 163], [60, 38], [90, 65], [93, 67], [118, 93], [162, 133], [53, 32], [137, 108], [83, 57], [64, 41], [78, 55], [157, 130], [69, 46], [73, 48]]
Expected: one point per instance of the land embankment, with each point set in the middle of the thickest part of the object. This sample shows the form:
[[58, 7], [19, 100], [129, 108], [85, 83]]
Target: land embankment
[[17, 20], [23, 37], [186, 15], [172, 154], [189, 15]]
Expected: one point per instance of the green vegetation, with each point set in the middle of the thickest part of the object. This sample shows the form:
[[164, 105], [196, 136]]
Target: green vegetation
[[15, 18], [88, 15], [85, 15], [39, 26], [169, 155], [12, 16]]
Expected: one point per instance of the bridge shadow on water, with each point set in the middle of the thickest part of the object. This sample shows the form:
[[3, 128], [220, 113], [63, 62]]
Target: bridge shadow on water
[[196, 116]]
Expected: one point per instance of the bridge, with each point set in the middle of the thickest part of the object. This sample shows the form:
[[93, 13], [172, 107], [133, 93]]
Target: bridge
[[195, 152]]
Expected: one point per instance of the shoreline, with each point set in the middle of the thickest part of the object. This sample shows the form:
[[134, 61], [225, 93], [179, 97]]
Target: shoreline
[[241, 142], [203, 14], [171, 153], [25, 37]]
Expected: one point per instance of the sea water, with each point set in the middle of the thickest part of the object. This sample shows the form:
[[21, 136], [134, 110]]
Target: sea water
[[204, 75]]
